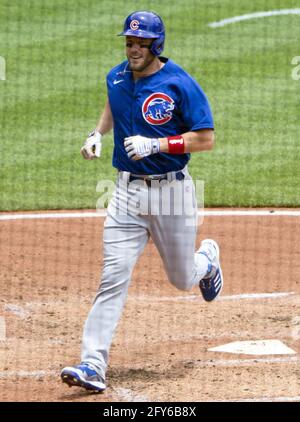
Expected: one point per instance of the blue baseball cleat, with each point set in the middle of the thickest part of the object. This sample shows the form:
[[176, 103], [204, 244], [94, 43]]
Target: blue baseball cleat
[[83, 375], [211, 285]]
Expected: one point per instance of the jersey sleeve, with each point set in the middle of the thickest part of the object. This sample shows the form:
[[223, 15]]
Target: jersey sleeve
[[195, 108]]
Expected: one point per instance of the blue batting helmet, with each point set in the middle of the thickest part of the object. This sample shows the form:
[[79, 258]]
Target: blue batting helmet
[[145, 24]]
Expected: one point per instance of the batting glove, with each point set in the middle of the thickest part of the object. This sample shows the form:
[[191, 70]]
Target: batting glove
[[92, 146], [138, 147]]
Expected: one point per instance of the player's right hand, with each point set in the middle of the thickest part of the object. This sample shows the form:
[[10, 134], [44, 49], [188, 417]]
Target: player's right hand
[[92, 146]]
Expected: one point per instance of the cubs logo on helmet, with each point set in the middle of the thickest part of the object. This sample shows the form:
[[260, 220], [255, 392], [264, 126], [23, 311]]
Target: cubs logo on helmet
[[134, 24], [157, 108]]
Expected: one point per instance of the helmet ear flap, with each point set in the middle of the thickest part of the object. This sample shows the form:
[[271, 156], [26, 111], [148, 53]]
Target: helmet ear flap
[[157, 46]]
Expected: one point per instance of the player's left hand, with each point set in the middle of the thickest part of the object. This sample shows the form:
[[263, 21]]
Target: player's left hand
[[138, 147]]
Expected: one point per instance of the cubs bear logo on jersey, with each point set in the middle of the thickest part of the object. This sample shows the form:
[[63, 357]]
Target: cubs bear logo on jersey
[[157, 108]]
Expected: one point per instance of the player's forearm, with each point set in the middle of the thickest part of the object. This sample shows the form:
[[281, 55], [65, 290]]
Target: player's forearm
[[105, 123], [196, 141]]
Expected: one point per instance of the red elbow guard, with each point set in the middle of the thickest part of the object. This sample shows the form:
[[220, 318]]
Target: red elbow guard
[[176, 144]]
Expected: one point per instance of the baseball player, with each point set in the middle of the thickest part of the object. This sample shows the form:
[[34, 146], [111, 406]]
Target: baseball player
[[159, 115]]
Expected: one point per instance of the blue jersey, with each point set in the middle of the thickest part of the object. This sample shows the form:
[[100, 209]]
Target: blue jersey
[[166, 103]]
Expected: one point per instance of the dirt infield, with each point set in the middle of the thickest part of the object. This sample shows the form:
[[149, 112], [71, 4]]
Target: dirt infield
[[50, 272]]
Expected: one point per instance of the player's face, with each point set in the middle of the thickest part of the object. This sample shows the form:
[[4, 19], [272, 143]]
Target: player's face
[[138, 53]]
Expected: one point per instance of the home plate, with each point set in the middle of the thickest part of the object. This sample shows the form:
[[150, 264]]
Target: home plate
[[255, 347]]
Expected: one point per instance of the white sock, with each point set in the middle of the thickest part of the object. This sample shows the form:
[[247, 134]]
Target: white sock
[[202, 265]]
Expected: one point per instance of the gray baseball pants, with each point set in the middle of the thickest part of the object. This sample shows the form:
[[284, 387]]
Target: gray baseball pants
[[168, 213]]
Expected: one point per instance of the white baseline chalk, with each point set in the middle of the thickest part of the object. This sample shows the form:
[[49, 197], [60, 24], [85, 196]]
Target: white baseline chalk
[[255, 15], [102, 213], [189, 298]]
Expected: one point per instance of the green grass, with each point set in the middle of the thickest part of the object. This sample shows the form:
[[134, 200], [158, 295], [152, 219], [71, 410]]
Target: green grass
[[57, 55]]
